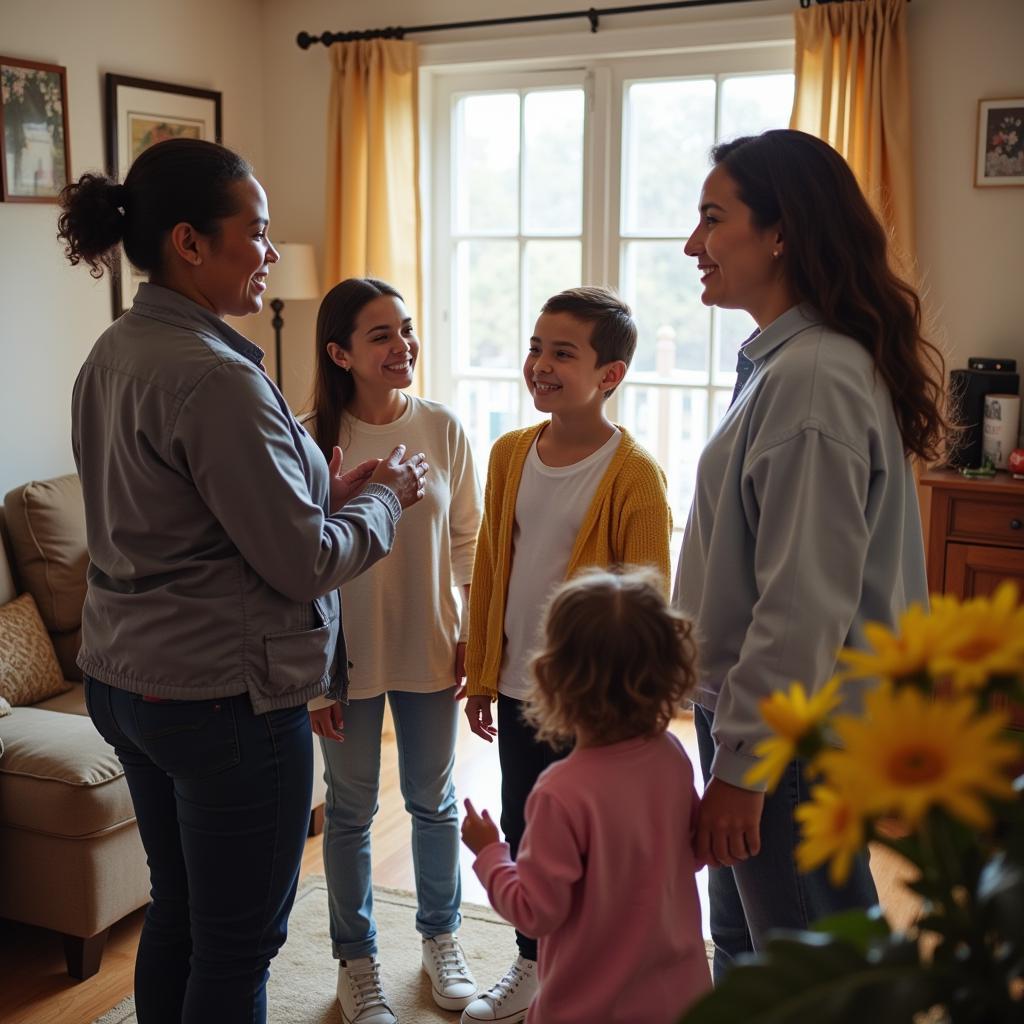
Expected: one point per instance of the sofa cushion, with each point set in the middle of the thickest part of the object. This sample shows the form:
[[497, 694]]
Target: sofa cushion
[[59, 776], [28, 667], [45, 523], [70, 703]]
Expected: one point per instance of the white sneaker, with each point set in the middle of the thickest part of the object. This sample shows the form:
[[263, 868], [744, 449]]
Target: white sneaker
[[360, 993], [451, 982], [509, 999]]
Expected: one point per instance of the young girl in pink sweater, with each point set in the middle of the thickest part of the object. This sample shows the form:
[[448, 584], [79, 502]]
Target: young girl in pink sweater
[[605, 872]]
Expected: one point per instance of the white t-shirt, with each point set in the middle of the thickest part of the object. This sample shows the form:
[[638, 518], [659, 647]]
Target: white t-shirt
[[401, 617], [551, 505]]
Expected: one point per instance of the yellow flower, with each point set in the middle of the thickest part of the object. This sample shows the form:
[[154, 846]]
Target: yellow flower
[[791, 717], [909, 753], [833, 830], [902, 654], [983, 637]]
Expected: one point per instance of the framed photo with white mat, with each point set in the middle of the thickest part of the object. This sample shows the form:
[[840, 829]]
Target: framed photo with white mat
[[140, 113]]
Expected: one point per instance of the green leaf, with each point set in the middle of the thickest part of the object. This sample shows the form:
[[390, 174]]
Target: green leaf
[[861, 928], [808, 978]]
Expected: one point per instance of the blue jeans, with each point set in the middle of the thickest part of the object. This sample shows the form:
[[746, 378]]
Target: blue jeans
[[222, 801], [425, 728], [755, 896]]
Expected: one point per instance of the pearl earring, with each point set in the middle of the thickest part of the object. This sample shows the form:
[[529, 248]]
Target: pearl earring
[[776, 254]]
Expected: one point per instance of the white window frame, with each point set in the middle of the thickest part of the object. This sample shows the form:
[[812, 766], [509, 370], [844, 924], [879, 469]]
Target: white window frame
[[604, 64]]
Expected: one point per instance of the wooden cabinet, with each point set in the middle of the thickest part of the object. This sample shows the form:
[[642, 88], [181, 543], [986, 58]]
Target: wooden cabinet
[[975, 537], [975, 533]]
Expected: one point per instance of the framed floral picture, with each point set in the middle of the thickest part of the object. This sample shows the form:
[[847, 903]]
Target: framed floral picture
[[1000, 153], [140, 113], [34, 154]]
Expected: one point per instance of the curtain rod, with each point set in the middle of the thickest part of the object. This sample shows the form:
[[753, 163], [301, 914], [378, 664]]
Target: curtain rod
[[593, 15]]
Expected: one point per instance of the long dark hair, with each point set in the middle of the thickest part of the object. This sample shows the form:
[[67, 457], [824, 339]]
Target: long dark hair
[[175, 181], [334, 388], [837, 260]]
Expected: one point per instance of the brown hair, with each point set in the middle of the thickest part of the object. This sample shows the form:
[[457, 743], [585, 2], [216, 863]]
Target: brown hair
[[837, 260], [616, 662], [333, 387], [173, 181], [613, 329]]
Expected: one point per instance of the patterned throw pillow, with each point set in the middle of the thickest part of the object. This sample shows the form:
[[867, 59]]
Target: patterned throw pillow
[[29, 671]]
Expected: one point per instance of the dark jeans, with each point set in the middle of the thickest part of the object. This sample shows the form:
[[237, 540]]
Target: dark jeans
[[522, 760], [222, 799], [754, 896]]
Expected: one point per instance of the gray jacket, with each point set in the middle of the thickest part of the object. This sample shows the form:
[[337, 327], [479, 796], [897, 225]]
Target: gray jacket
[[804, 527], [214, 564]]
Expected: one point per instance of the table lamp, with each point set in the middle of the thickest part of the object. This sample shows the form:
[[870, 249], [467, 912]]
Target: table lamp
[[293, 277]]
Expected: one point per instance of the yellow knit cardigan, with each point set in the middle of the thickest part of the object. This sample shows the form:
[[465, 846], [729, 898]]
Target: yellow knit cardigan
[[628, 523]]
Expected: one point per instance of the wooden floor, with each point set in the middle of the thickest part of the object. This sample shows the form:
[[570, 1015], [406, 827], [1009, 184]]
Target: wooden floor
[[35, 989]]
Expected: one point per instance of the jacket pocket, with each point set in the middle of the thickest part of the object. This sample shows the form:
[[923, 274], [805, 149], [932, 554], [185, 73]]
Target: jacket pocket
[[297, 659]]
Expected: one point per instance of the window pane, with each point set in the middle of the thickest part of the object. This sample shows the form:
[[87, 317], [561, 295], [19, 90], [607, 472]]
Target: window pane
[[553, 168], [551, 267], [733, 327], [486, 159], [487, 304], [671, 423], [669, 128], [488, 409], [720, 401], [754, 103], [662, 286]]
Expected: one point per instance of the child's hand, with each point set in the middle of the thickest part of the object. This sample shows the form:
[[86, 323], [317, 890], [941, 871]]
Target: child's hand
[[477, 831], [478, 711]]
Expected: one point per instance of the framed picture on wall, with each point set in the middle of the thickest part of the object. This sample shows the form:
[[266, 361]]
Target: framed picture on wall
[[1000, 150], [34, 155], [140, 113]]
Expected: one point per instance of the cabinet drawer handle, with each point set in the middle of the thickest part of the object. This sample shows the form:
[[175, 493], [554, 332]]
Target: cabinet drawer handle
[[1015, 524]]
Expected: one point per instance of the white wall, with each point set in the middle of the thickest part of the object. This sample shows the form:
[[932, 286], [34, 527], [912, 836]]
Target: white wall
[[50, 313], [970, 240]]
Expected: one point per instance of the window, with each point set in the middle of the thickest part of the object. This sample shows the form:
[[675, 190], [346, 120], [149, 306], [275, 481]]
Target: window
[[682, 376], [546, 180]]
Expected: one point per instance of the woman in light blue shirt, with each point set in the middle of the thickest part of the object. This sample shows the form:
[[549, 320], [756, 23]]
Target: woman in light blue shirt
[[805, 523]]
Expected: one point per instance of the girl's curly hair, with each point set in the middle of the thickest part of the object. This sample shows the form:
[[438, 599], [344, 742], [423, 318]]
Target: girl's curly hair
[[617, 661]]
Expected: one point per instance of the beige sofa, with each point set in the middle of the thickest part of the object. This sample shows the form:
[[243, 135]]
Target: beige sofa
[[70, 855]]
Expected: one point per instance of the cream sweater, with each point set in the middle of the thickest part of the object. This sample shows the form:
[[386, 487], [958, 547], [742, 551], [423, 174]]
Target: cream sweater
[[401, 617]]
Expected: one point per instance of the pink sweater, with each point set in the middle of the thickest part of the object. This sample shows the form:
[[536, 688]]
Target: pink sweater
[[605, 880]]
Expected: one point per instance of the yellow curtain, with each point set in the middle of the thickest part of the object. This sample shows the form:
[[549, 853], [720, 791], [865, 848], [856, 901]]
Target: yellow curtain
[[853, 91], [373, 207]]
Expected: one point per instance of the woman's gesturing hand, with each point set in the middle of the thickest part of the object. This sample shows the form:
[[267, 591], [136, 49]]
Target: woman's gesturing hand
[[405, 476], [345, 486]]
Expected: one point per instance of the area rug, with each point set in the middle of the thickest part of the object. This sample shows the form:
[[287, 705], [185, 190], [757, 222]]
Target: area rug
[[303, 974]]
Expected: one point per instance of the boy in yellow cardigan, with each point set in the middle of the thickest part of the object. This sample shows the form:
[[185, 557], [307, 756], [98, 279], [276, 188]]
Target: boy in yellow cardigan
[[571, 492]]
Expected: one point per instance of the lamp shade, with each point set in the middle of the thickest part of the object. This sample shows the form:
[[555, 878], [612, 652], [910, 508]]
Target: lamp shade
[[294, 275]]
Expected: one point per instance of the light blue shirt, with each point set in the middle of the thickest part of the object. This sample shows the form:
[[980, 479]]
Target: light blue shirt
[[804, 527]]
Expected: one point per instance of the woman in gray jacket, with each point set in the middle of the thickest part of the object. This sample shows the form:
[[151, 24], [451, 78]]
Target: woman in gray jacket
[[805, 524], [218, 537]]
